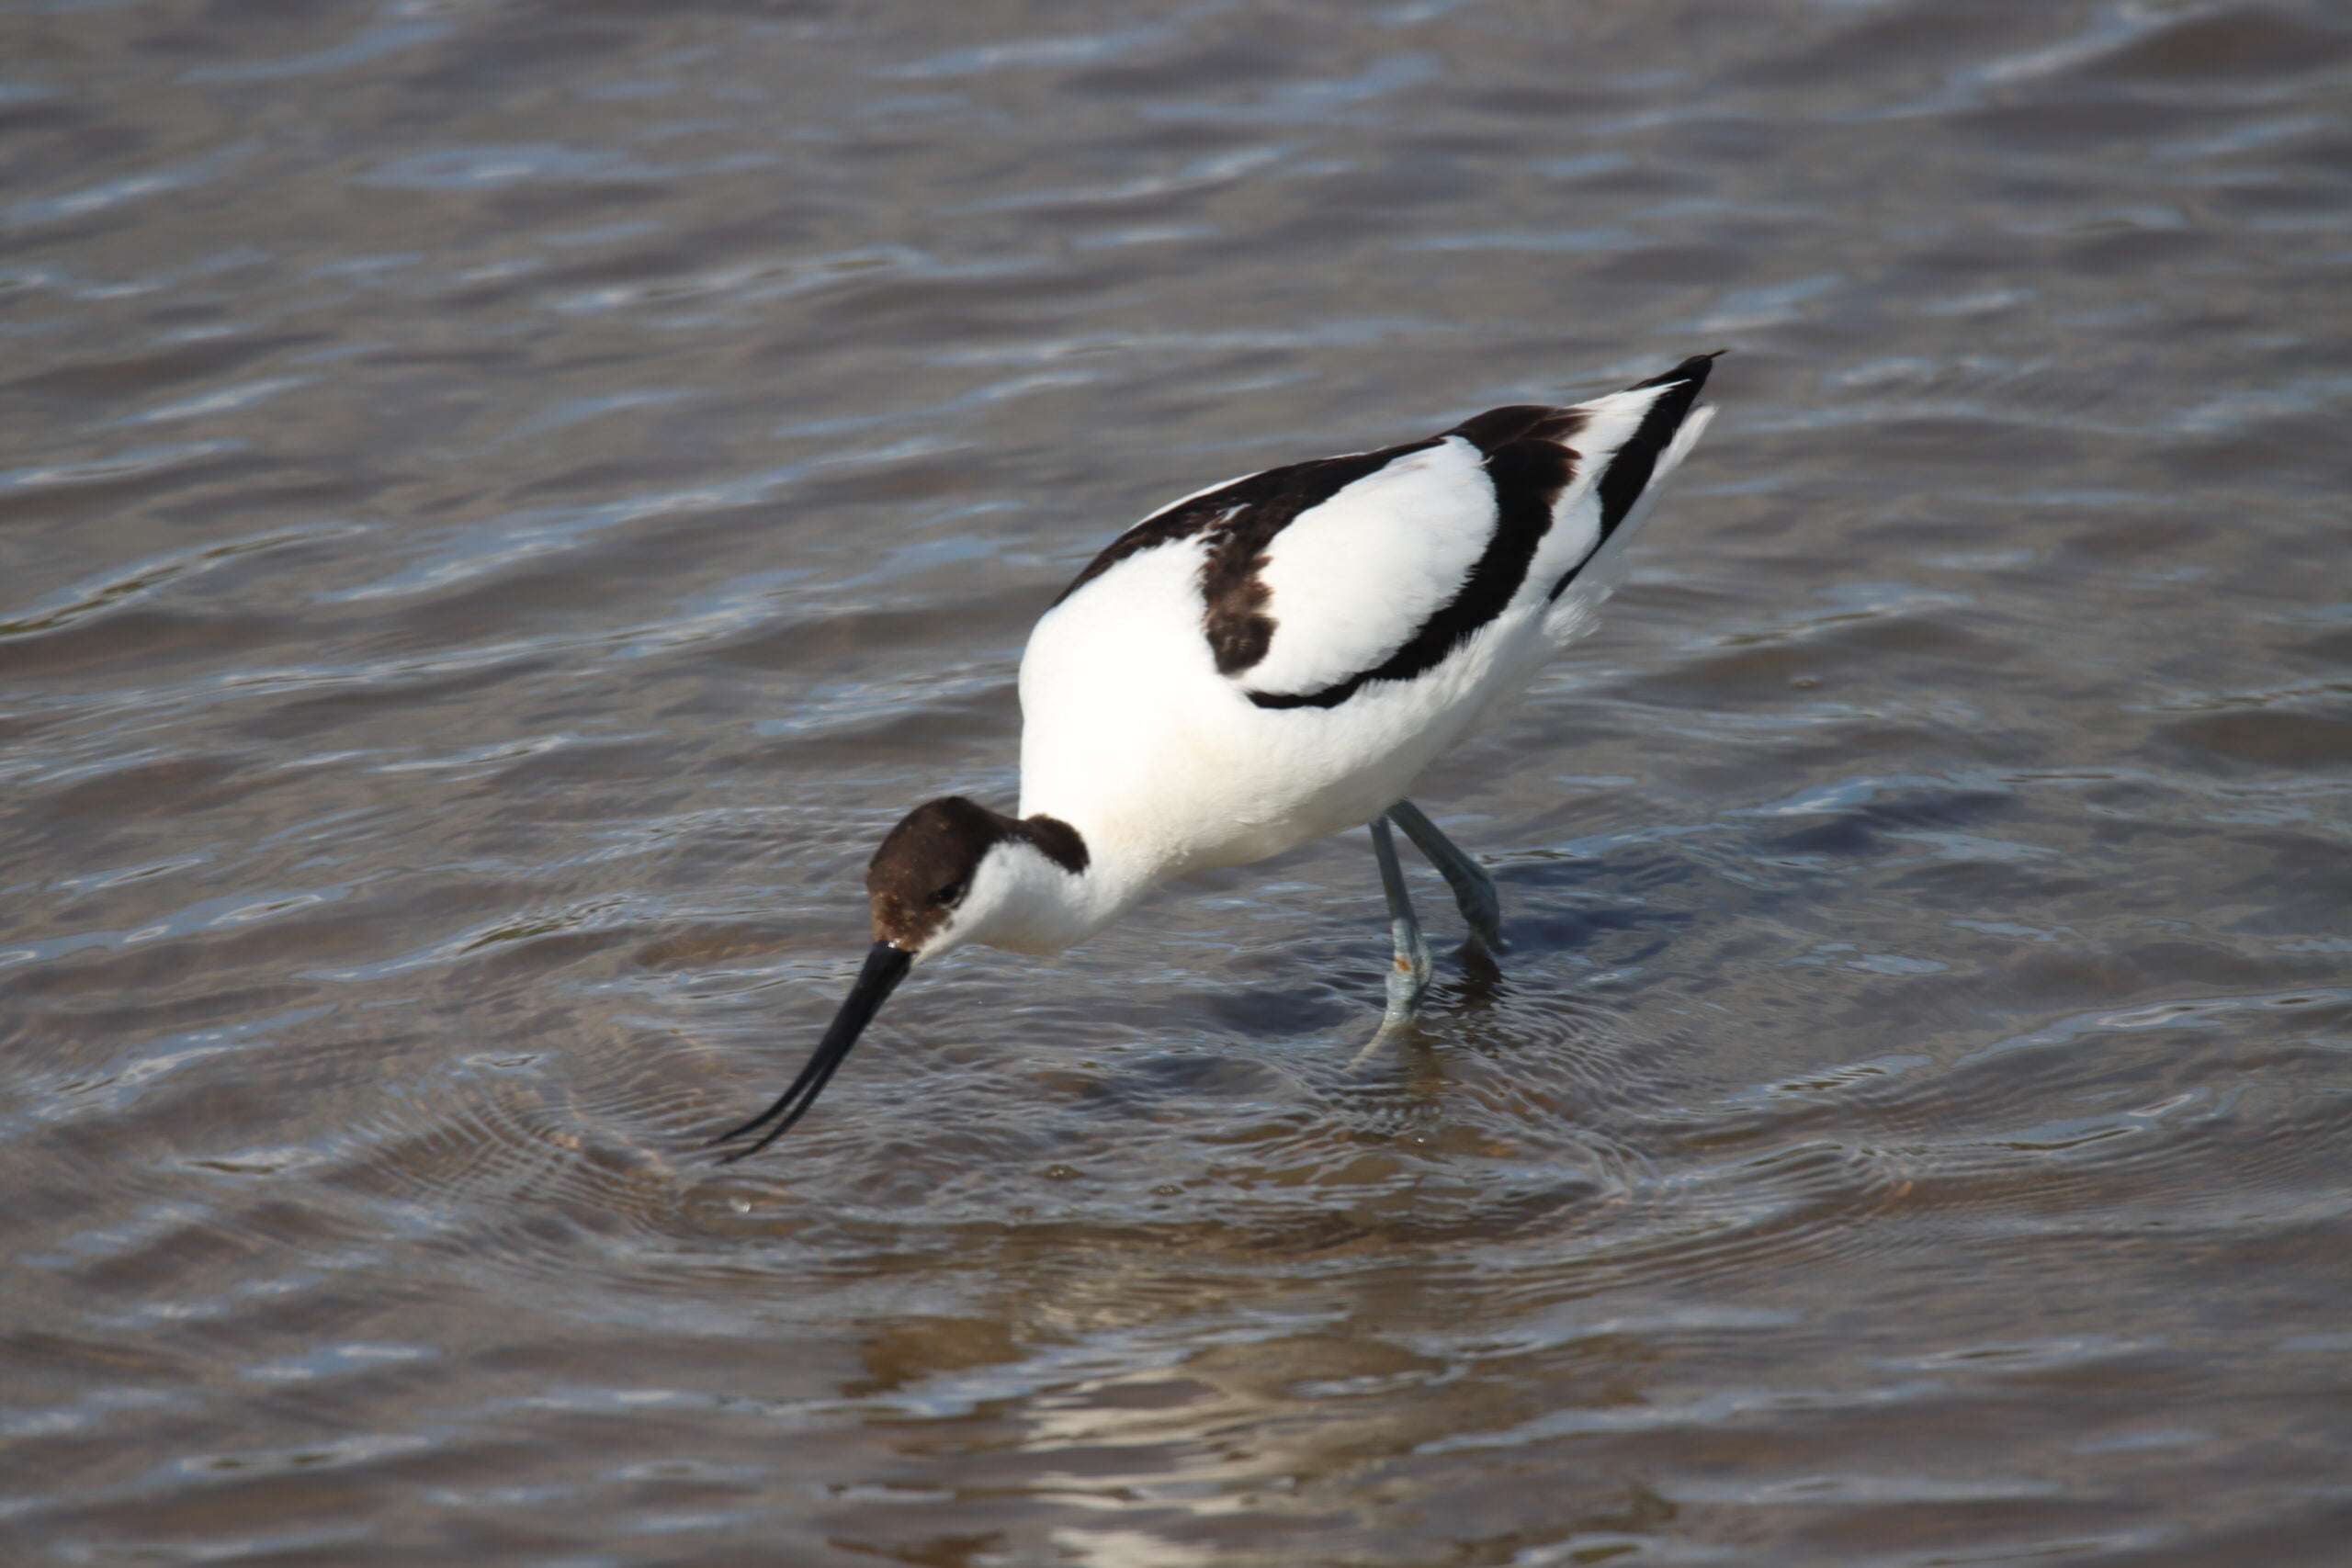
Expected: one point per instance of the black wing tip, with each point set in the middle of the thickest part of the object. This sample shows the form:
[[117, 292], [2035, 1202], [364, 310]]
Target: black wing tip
[[1693, 370]]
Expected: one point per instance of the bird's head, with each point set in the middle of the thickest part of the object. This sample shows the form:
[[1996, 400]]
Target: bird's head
[[951, 871], [942, 876]]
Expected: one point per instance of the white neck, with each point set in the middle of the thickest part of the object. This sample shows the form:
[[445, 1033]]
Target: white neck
[[1023, 902]]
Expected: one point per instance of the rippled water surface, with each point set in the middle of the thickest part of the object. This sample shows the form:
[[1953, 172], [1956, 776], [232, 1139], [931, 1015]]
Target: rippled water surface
[[503, 503]]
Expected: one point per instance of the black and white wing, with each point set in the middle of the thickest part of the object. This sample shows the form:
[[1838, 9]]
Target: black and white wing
[[1318, 578]]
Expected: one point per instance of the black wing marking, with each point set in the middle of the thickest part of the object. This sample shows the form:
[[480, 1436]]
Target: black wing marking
[[1255, 507], [1530, 464], [1528, 460], [1628, 471]]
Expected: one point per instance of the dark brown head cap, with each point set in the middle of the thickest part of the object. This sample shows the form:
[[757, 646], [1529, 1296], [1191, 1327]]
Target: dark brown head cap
[[925, 866]]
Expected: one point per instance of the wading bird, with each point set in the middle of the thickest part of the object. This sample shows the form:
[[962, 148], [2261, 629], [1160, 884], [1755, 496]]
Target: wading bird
[[1267, 661]]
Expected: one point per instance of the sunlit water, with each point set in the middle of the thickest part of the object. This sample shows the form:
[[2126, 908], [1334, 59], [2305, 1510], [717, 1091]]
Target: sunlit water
[[504, 504]]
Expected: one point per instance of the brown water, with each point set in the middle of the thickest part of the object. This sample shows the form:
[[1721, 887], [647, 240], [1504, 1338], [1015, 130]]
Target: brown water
[[504, 503]]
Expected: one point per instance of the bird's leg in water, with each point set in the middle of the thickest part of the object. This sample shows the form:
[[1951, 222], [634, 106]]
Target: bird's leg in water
[[1408, 977], [1474, 890]]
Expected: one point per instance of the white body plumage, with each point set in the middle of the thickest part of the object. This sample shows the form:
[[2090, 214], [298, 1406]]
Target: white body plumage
[[1267, 661], [1165, 765]]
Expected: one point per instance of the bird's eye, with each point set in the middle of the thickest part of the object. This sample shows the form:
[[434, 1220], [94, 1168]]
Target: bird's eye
[[950, 893]]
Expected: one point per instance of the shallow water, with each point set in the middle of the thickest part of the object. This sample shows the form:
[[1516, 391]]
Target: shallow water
[[504, 504]]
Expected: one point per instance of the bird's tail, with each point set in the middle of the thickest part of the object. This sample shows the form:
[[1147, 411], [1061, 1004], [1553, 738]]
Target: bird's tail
[[1629, 443]]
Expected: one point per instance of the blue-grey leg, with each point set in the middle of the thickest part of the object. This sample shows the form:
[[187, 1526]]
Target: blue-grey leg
[[1474, 890], [1409, 975]]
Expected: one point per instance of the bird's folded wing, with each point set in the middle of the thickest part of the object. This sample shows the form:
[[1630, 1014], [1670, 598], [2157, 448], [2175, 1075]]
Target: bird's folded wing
[[1404, 565], [1318, 578], [1350, 584]]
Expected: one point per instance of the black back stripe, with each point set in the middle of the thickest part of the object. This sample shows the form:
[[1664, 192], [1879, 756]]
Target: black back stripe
[[1249, 513], [1239, 629], [1621, 483], [1529, 463]]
